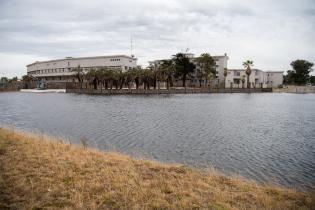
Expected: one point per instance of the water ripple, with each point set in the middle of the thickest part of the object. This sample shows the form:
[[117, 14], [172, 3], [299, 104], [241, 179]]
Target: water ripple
[[266, 137]]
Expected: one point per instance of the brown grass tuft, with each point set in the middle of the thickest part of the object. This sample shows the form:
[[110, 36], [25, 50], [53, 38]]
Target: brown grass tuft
[[38, 172]]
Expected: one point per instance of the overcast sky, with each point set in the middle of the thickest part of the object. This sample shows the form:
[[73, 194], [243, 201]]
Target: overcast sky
[[269, 32]]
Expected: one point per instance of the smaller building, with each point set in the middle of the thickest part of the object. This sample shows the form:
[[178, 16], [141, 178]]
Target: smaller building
[[274, 78], [237, 78]]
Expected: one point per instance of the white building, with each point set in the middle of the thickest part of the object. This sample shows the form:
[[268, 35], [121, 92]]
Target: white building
[[257, 78], [62, 69], [274, 78], [220, 65]]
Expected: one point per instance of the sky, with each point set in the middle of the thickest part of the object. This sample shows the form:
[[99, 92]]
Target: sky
[[272, 33]]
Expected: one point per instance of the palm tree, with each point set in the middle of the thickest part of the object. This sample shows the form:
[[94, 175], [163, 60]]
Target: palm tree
[[168, 69], [225, 73], [122, 79], [135, 75], [79, 75], [243, 80], [248, 64], [92, 77]]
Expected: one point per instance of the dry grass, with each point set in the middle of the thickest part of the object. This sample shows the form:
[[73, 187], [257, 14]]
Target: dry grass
[[38, 172]]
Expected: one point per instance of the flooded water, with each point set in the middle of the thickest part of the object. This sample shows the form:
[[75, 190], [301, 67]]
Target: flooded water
[[265, 137]]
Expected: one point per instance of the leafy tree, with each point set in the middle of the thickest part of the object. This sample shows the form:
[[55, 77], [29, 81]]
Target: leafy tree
[[183, 66], [206, 67], [248, 64], [13, 79], [312, 80], [300, 74], [289, 78], [26, 78]]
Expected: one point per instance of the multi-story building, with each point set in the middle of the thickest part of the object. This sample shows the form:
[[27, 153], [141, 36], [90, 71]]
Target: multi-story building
[[257, 78], [274, 78], [220, 65], [63, 69]]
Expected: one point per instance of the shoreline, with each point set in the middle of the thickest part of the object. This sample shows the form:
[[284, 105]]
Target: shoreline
[[164, 91], [39, 171]]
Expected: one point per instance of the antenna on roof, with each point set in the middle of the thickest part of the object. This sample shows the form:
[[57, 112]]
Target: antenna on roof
[[131, 46]]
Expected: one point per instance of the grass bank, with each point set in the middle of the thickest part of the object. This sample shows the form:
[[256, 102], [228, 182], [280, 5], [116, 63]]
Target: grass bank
[[39, 172]]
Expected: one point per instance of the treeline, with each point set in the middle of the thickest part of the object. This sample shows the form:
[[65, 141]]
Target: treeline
[[10, 84], [5, 80], [179, 67]]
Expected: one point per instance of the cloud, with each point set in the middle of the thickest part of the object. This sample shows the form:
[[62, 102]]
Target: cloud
[[272, 33]]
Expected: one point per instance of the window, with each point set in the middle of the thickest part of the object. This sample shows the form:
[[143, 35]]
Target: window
[[236, 81], [237, 73]]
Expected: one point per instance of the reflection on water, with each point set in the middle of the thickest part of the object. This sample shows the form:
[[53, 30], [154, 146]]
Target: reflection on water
[[266, 137]]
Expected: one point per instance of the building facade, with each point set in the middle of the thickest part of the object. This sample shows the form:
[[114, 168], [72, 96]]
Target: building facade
[[257, 79], [63, 69], [220, 64]]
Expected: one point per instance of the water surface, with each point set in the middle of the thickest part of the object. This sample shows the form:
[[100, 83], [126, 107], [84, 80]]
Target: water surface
[[264, 136]]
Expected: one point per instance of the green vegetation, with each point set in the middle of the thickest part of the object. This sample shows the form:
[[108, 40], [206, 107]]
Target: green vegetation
[[179, 67], [206, 68], [4, 80], [10, 84], [183, 66], [300, 75], [39, 172]]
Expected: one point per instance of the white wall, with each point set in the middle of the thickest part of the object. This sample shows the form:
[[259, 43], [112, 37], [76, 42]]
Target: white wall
[[61, 67], [274, 79], [221, 63], [257, 77]]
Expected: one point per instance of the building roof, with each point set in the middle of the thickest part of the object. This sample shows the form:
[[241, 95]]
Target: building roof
[[274, 72], [256, 70], [78, 58], [243, 69]]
